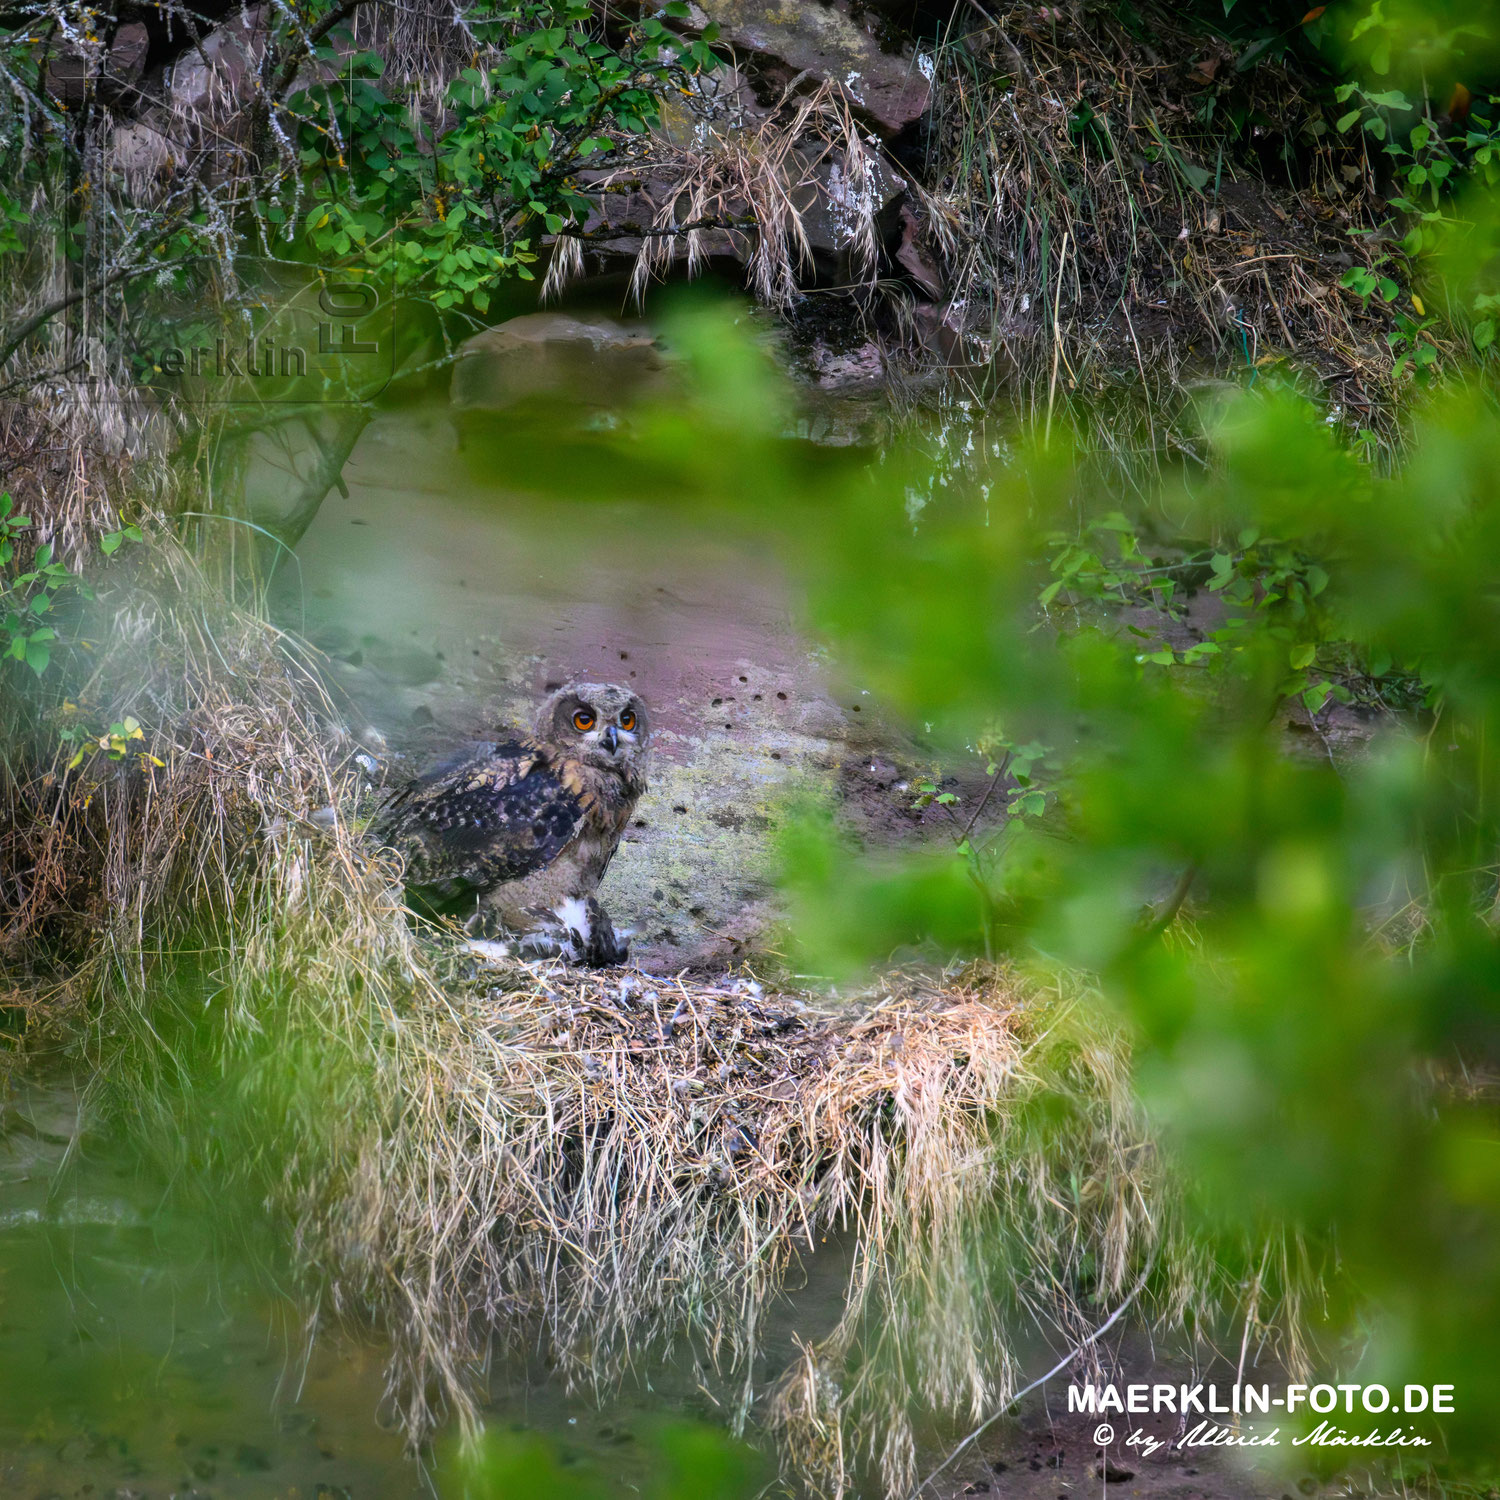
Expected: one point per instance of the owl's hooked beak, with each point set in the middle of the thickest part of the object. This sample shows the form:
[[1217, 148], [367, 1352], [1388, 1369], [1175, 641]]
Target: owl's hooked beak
[[609, 737]]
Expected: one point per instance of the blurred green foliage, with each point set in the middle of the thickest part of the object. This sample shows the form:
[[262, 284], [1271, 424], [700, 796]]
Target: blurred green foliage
[[1312, 1041]]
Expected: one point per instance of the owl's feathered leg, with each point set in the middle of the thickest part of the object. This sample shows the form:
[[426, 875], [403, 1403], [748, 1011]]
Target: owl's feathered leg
[[577, 930], [580, 931]]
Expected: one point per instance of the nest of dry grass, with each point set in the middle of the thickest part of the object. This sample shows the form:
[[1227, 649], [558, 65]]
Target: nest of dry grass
[[620, 1168]]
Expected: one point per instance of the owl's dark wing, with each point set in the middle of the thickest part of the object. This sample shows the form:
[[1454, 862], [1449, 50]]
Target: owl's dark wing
[[487, 814]]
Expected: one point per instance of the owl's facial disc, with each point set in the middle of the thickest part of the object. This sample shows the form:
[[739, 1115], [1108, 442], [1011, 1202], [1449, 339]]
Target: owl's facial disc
[[603, 722]]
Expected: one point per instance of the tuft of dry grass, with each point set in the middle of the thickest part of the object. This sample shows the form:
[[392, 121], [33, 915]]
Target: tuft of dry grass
[[744, 190], [625, 1160], [1104, 214]]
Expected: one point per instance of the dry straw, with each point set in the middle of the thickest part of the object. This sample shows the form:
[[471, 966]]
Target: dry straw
[[1112, 206], [624, 1166]]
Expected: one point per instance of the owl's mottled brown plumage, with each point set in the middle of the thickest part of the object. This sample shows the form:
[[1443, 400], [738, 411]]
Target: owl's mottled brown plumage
[[517, 833]]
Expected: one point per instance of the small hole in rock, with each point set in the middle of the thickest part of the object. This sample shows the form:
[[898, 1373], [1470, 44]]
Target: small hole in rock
[[782, 696]]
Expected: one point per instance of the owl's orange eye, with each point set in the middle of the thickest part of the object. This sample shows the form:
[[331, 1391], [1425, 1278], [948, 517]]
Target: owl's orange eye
[[627, 720], [583, 720]]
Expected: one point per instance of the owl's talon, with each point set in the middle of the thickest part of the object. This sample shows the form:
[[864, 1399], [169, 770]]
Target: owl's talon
[[604, 949], [599, 956]]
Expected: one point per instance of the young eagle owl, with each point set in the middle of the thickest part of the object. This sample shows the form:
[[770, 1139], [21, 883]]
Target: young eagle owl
[[518, 833]]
